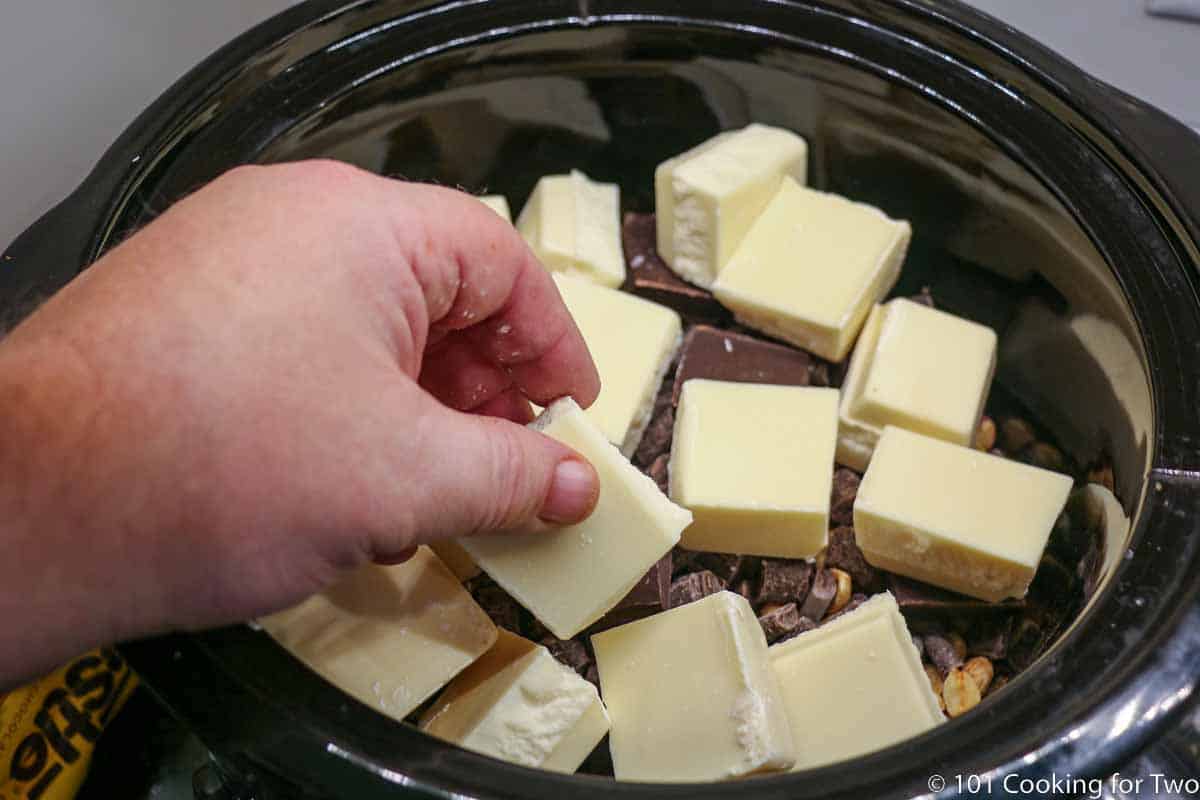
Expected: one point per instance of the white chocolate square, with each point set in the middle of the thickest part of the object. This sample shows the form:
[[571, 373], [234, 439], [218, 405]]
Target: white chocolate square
[[811, 267], [632, 342], [497, 203], [569, 577], [854, 685], [573, 225], [519, 704], [692, 696], [917, 368], [388, 636], [955, 517], [707, 197], [754, 465]]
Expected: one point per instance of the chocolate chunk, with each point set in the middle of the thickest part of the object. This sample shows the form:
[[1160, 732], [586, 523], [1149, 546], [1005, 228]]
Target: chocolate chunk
[[820, 596], [649, 276], [495, 602], [649, 595], [592, 674], [842, 552], [805, 625], [658, 472], [845, 489], [600, 760], [1054, 586], [780, 621], [656, 441], [745, 588], [532, 628], [784, 580], [694, 586], [820, 375], [856, 600], [570, 652], [727, 356], [725, 566], [920, 602], [989, 641], [1027, 642], [942, 653], [924, 297]]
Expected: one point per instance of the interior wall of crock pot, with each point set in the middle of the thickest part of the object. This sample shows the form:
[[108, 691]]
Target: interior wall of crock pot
[[989, 239]]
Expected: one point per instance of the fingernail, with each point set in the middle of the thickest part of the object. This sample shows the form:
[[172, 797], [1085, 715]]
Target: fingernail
[[573, 492]]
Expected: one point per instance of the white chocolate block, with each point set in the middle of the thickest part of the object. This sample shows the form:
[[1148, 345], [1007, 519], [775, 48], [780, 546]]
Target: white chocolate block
[[707, 197], [573, 225], [388, 636], [692, 696], [811, 267], [956, 517], [568, 578], [519, 704], [632, 342], [854, 685], [497, 203], [917, 368], [457, 559], [754, 465]]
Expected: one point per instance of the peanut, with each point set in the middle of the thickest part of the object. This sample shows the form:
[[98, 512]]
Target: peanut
[[935, 683], [981, 671], [960, 693], [845, 589], [985, 434]]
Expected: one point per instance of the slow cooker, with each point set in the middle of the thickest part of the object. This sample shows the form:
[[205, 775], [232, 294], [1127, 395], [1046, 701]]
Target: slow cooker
[[1044, 203]]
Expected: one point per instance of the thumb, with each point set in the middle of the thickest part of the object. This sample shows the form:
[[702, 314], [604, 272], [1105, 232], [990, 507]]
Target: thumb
[[490, 474]]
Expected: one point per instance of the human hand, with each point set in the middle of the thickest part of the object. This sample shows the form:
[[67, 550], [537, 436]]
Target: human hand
[[264, 388]]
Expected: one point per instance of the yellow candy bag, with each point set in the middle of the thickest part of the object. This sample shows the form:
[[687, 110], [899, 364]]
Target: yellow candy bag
[[49, 729]]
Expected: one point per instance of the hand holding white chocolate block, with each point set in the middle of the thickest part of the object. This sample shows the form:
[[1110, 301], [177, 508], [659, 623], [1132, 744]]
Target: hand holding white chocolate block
[[854, 685], [517, 703], [389, 636], [956, 517], [570, 577], [497, 203], [573, 225], [692, 696], [811, 267], [754, 465], [632, 342], [916, 368], [708, 197]]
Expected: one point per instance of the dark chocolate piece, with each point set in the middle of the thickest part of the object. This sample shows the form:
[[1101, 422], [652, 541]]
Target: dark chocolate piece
[[841, 503], [600, 760], [656, 440], [779, 622], [532, 628], [942, 653], [784, 581], [649, 276], [820, 596], [658, 472], [724, 565], [745, 588], [820, 374], [570, 652], [920, 601], [989, 641], [727, 356], [495, 602], [805, 626], [842, 552], [592, 674], [694, 586], [1027, 642], [649, 595]]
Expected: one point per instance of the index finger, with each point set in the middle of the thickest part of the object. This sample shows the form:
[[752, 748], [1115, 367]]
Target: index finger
[[478, 276]]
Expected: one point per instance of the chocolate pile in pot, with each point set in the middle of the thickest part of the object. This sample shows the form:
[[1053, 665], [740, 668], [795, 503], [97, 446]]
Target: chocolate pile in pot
[[959, 638]]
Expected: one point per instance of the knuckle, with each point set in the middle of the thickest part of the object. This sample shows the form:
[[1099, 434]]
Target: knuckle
[[515, 495]]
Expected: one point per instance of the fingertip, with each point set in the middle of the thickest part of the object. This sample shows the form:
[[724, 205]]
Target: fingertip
[[574, 492]]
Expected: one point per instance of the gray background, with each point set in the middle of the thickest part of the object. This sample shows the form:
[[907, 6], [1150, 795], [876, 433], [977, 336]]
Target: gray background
[[73, 73]]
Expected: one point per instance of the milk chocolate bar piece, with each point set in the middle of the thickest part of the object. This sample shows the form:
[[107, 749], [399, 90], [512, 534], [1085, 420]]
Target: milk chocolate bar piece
[[781, 622], [649, 276], [727, 356], [842, 552], [784, 581], [693, 587], [820, 596], [921, 601]]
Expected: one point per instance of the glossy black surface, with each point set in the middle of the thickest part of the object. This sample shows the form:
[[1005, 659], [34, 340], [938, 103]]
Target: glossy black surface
[[1045, 204]]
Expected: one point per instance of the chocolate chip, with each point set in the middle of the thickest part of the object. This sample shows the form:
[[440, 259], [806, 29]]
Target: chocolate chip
[[845, 489], [727, 356], [784, 580], [780, 621], [570, 652], [820, 596], [942, 653], [842, 552], [694, 586], [649, 276], [658, 472]]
